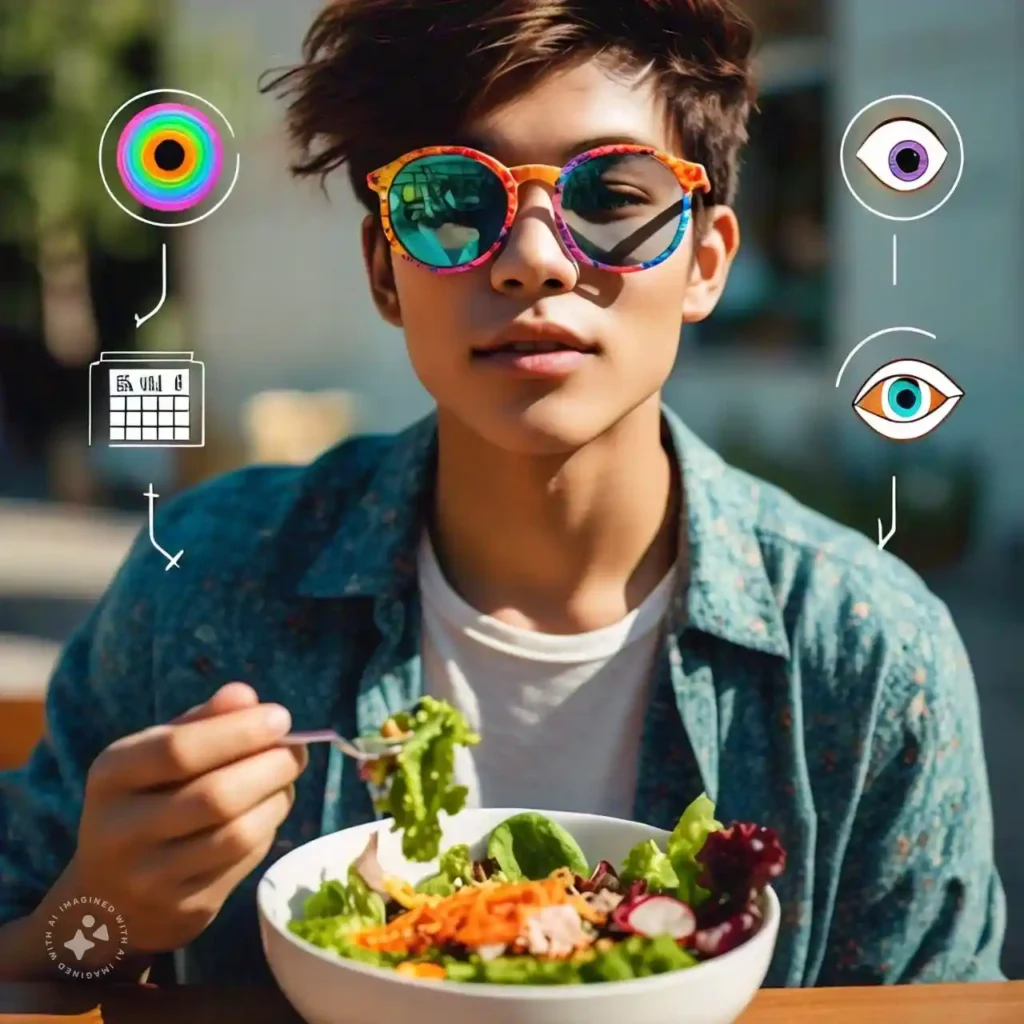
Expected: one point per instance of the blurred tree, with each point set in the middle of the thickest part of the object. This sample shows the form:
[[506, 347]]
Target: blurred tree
[[74, 267], [66, 66]]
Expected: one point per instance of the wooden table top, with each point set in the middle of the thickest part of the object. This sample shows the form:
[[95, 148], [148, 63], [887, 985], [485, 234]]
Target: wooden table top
[[128, 1004], [904, 1004]]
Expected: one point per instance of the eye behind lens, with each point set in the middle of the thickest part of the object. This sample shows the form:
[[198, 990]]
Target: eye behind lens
[[624, 209]]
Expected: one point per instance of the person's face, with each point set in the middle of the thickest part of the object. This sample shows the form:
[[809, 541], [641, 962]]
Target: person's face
[[630, 323]]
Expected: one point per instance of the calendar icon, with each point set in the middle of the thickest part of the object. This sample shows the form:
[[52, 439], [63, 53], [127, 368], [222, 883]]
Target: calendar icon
[[147, 400]]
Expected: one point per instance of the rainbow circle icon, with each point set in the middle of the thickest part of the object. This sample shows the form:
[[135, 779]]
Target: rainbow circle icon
[[166, 157], [169, 157]]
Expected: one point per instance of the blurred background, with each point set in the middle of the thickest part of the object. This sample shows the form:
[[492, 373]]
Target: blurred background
[[269, 294]]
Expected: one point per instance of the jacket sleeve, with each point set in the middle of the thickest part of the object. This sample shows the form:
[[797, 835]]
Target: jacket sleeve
[[100, 691], [919, 897]]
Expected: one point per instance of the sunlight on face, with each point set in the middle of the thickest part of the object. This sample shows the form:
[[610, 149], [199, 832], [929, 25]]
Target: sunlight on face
[[633, 320]]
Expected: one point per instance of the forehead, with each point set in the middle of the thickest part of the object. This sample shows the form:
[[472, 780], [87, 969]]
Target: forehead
[[570, 110]]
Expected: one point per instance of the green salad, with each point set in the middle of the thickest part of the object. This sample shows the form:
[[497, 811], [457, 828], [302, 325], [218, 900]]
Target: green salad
[[415, 785], [529, 909]]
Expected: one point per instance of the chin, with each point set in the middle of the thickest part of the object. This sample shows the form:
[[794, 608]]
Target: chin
[[543, 428]]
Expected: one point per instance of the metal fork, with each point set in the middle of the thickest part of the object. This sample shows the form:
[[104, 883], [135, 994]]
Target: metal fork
[[366, 748]]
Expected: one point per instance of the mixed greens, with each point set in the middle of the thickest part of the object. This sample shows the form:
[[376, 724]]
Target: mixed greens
[[532, 911], [416, 784]]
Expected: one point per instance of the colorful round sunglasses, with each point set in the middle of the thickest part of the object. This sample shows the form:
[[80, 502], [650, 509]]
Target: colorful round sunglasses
[[620, 208]]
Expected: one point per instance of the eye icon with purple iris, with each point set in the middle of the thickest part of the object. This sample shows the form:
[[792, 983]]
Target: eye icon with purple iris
[[903, 155]]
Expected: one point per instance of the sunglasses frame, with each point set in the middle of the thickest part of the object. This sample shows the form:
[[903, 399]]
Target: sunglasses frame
[[690, 176]]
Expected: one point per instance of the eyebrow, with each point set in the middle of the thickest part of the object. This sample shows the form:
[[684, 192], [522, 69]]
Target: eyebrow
[[488, 146], [611, 140]]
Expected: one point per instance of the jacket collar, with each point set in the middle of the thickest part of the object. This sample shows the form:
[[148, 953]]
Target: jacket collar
[[725, 590], [373, 551]]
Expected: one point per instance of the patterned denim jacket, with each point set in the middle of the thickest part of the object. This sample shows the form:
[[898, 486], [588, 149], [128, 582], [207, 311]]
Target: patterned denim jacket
[[807, 681]]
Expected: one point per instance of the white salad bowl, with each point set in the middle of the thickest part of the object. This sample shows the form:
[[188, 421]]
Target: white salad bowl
[[327, 989]]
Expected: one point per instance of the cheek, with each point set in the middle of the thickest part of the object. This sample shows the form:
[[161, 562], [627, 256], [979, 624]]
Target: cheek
[[648, 317], [436, 315], [429, 302], [657, 294]]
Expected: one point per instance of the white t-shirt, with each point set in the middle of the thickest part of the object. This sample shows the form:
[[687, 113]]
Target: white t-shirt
[[560, 716]]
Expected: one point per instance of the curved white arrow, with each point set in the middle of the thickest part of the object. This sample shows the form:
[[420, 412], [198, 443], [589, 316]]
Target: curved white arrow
[[882, 541], [172, 560], [140, 320]]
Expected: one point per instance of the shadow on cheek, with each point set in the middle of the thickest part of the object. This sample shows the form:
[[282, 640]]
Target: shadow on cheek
[[601, 287]]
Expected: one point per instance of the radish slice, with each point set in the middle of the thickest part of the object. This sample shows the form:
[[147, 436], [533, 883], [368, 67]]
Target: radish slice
[[661, 915]]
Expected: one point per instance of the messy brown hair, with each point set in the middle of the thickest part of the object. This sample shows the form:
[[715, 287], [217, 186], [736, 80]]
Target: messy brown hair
[[381, 77]]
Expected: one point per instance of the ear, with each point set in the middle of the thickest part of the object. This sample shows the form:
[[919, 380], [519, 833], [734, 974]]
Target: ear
[[380, 271], [712, 257]]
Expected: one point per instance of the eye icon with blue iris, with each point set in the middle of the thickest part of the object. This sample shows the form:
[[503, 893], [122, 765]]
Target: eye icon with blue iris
[[906, 399], [903, 155]]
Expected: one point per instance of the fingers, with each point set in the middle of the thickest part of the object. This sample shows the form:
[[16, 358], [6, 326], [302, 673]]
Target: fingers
[[168, 754], [230, 697], [232, 849], [221, 796]]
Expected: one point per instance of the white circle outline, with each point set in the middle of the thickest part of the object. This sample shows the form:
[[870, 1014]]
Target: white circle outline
[[879, 334], [146, 220], [842, 164]]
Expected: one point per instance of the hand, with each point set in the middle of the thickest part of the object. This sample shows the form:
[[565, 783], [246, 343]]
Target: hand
[[176, 816]]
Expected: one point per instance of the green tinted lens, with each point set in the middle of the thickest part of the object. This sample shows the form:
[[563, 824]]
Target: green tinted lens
[[447, 210], [624, 209]]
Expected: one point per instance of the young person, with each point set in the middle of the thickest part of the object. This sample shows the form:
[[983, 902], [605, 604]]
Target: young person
[[627, 619]]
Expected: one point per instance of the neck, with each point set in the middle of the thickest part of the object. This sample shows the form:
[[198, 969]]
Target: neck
[[562, 543]]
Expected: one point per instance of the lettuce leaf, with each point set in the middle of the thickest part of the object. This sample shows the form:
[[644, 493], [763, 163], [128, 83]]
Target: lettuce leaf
[[455, 865], [647, 862], [371, 957], [685, 842], [635, 957], [514, 970], [336, 910], [421, 780], [340, 899], [531, 846]]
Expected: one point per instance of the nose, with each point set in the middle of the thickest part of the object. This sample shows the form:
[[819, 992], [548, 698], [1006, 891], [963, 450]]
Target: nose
[[533, 261]]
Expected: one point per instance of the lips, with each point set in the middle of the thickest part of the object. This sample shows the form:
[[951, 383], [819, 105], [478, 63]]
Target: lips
[[527, 347], [535, 338]]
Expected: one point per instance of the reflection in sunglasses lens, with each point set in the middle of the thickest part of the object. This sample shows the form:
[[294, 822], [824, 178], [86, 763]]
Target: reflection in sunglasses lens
[[447, 210], [624, 209]]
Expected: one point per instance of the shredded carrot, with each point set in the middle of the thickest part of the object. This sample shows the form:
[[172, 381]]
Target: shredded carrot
[[477, 915]]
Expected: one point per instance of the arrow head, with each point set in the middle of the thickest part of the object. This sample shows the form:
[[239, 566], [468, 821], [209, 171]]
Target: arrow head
[[883, 540]]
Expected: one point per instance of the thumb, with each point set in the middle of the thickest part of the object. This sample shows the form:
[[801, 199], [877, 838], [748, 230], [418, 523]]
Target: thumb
[[230, 697]]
